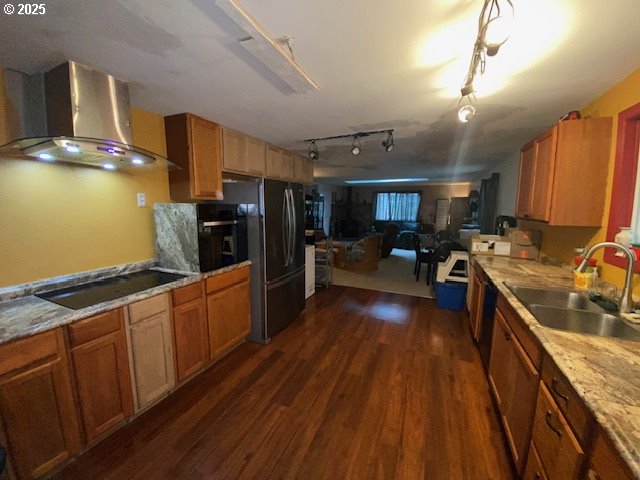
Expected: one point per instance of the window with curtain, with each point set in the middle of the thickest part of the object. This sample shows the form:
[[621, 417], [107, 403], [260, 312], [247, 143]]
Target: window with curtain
[[397, 206]]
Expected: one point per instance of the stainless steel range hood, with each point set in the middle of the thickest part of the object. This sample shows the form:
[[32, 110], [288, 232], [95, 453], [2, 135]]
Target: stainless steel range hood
[[88, 122]]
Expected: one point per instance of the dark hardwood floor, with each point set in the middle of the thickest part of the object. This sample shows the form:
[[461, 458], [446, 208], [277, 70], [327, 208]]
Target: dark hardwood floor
[[363, 385]]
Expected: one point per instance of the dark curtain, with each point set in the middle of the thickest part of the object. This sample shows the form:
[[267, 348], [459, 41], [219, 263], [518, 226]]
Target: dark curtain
[[488, 203]]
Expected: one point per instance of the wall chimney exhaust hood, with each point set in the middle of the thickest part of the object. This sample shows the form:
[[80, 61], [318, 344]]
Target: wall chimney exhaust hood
[[88, 122]]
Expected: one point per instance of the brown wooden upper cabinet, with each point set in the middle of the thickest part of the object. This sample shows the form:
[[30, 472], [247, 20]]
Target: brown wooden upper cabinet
[[195, 145], [39, 417], [563, 174], [242, 154], [274, 164]]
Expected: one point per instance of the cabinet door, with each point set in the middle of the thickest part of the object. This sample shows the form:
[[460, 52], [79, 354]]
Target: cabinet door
[[299, 169], [544, 169], [274, 162], [477, 306], [206, 158], [234, 150], [229, 314], [256, 156], [559, 450], [39, 415], [525, 181], [103, 383], [514, 381], [151, 358], [288, 165], [191, 338]]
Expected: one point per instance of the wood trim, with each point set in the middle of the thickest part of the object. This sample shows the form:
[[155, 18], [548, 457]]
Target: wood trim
[[624, 179]]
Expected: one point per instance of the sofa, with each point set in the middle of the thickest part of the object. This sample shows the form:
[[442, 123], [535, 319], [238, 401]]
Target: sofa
[[404, 238]]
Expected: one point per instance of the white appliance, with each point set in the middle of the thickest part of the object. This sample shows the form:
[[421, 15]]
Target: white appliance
[[309, 270]]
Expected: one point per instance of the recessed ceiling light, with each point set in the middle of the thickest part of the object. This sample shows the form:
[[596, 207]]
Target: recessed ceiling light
[[109, 166], [46, 156]]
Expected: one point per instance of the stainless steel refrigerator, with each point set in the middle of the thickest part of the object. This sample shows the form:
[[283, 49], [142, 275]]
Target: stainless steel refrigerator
[[275, 226]]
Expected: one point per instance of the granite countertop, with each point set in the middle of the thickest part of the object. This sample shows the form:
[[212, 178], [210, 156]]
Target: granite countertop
[[23, 314], [605, 372]]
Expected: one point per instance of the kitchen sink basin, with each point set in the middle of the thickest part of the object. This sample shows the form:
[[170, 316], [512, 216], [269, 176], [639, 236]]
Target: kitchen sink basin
[[583, 321], [554, 297]]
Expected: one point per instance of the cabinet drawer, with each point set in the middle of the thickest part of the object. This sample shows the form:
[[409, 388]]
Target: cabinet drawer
[[567, 400], [187, 294], [527, 339], [534, 470], [22, 353], [148, 308], [560, 452], [227, 279], [94, 327]]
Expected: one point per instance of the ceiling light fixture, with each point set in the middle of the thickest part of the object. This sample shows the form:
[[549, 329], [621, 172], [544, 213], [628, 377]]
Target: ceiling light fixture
[[388, 143], [468, 110], [494, 24], [355, 146], [109, 166], [46, 156], [313, 150], [137, 161]]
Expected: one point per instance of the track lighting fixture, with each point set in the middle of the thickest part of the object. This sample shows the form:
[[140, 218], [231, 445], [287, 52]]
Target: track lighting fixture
[[493, 31], [388, 143], [468, 110], [313, 150], [355, 146]]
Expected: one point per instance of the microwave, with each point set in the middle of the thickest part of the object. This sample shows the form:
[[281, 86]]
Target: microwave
[[222, 235]]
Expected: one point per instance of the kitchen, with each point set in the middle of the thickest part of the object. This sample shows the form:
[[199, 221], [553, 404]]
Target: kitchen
[[82, 219]]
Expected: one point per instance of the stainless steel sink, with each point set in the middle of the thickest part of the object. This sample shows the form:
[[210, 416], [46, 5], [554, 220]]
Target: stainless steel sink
[[582, 321], [554, 297]]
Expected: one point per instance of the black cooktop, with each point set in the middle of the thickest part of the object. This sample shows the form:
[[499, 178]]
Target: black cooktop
[[85, 295]]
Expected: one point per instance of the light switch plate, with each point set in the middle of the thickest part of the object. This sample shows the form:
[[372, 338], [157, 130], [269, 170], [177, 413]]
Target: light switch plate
[[142, 200]]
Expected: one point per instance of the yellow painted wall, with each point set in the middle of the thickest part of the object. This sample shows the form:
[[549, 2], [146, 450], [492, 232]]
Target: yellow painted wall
[[559, 242], [60, 219]]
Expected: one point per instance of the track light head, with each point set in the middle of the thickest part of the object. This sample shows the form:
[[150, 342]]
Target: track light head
[[355, 146], [313, 150], [466, 113], [388, 143]]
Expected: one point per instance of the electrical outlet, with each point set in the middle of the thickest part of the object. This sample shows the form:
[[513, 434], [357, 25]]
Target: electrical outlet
[[142, 200]]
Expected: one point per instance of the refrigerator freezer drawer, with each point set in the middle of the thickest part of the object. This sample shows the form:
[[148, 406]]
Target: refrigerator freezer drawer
[[285, 301]]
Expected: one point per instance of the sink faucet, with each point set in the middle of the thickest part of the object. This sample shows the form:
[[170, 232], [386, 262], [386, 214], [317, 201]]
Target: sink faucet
[[626, 300]]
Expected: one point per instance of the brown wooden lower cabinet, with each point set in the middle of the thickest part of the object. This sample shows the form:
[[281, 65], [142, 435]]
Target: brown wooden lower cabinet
[[36, 404], [151, 349], [190, 330], [560, 452], [605, 463], [228, 310], [534, 469], [514, 381], [101, 367]]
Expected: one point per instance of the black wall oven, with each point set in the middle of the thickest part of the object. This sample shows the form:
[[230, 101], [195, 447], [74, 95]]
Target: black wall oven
[[222, 235]]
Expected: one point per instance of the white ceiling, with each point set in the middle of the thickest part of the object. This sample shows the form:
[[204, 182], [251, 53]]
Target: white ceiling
[[378, 65]]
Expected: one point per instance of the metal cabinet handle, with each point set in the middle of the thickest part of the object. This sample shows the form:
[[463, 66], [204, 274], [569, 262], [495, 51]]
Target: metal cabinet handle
[[554, 389], [537, 476], [507, 336], [547, 418]]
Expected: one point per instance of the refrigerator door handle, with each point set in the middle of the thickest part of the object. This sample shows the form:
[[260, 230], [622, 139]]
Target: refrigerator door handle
[[285, 221], [294, 226], [290, 222]]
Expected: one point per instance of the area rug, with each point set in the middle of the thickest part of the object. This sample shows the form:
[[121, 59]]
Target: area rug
[[394, 275]]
